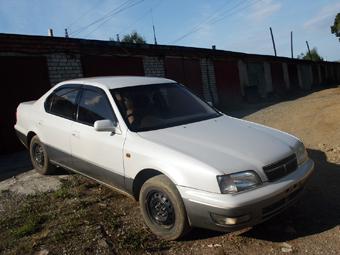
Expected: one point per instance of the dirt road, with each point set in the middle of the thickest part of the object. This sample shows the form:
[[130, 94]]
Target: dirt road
[[82, 217]]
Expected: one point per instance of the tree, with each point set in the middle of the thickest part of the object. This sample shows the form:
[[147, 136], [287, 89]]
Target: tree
[[133, 37], [335, 29], [314, 55]]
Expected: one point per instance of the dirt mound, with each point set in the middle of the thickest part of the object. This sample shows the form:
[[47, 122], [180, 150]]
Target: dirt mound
[[314, 118]]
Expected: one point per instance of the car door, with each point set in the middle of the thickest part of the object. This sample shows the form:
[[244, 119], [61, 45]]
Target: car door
[[55, 125], [97, 154]]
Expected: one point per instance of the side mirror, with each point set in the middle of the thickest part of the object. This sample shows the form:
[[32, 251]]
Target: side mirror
[[106, 125]]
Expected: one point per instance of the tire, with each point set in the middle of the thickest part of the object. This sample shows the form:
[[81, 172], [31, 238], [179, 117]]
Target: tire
[[39, 157], [163, 209]]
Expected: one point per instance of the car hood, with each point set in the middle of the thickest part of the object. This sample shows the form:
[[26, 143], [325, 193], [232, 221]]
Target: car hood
[[226, 144]]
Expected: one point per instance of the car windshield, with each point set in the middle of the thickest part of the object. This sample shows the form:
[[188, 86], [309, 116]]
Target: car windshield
[[150, 107]]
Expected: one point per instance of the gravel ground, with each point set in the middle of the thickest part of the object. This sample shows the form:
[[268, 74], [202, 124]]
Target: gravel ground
[[312, 226]]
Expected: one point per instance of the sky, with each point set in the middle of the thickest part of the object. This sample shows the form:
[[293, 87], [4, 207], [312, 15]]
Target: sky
[[234, 25]]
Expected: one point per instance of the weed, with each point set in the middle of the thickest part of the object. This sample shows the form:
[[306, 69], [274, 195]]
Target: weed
[[31, 225]]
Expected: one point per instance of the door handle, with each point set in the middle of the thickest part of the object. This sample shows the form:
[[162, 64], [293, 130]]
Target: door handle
[[75, 134]]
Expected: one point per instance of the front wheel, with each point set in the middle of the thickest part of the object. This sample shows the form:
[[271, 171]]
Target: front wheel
[[39, 157], [163, 209]]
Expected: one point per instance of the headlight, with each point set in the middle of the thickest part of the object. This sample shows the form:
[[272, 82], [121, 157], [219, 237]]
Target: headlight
[[301, 154], [233, 183]]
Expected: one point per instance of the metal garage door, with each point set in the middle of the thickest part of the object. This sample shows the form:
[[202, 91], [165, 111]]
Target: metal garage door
[[111, 65], [323, 74], [22, 79], [315, 74], [278, 79], [227, 82], [293, 77], [185, 71], [257, 84]]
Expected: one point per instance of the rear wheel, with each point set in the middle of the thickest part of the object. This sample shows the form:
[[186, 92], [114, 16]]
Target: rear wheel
[[163, 209], [39, 157]]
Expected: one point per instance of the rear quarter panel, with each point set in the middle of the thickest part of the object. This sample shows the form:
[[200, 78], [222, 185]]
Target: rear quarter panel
[[27, 114]]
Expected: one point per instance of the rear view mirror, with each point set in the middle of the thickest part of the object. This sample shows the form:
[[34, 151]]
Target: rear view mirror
[[106, 125]]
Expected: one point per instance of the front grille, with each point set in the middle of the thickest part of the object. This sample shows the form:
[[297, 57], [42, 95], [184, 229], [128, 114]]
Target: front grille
[[281, 168], [278, 206]]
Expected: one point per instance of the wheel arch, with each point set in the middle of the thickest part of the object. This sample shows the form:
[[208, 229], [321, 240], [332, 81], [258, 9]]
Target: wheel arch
[[141, 178], [30, 135]]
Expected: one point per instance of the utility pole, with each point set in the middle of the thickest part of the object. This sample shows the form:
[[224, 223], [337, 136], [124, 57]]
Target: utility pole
[[117, 36], [154, 34], [66, 33], [310, 55], [271, 33], [291, 44], [153, 28]]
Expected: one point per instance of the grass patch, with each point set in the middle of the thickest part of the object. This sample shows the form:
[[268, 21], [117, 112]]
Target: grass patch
[[31, 225], [75, 219]]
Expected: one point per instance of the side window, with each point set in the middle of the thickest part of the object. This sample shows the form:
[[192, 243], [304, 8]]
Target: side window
[[94, 106], [63, 102]]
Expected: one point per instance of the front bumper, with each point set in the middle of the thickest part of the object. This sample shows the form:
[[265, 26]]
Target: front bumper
[[260, 204]]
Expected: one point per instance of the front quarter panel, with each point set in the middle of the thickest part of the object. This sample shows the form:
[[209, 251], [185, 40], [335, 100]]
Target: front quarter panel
[[180, 168]]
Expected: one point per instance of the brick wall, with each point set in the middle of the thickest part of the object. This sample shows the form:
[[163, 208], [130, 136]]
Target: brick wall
[[63, 67], [32, 64], [64, 61], [208, 80], [153, 66]]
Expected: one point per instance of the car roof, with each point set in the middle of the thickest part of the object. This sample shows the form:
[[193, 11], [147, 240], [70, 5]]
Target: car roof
[[113, 82]]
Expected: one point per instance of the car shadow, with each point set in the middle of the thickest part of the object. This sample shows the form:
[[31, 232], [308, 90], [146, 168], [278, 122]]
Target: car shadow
[[14, 164], [244, 108], [201, 234], [316, 211], [20, 162]]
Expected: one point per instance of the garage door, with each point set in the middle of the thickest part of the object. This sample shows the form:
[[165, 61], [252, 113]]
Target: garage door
[[112, 65], [257, 84], [278, 79], [293, 77], [227, 82], [186, 72], [315, 72], [22, 79]]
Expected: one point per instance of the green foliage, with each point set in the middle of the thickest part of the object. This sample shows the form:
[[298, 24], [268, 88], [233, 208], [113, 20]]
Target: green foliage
[[314, 55], [335, 29], [133, 37], [76, 219], [31, 225]]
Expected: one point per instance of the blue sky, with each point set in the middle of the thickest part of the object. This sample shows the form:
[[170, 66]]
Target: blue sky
[[236, 25]]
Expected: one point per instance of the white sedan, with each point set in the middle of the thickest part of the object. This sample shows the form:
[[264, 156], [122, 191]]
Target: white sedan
[[187, 164]]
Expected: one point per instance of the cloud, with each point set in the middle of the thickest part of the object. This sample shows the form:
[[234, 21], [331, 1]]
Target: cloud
[[323, 17], [264, 9]]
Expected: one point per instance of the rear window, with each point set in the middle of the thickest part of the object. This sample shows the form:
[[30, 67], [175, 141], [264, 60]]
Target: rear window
[[63, 102]]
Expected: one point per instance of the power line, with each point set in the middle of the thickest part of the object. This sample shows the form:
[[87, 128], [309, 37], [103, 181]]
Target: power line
[[198, 26], [135, 22], [227, 13], [112, 15], [141, 17], [75, 21], [79, 30], [236, 11], [108, 14]]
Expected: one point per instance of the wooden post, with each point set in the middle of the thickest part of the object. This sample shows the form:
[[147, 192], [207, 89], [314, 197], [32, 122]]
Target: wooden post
[[310, 55], [271, 33], [291, 44]]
